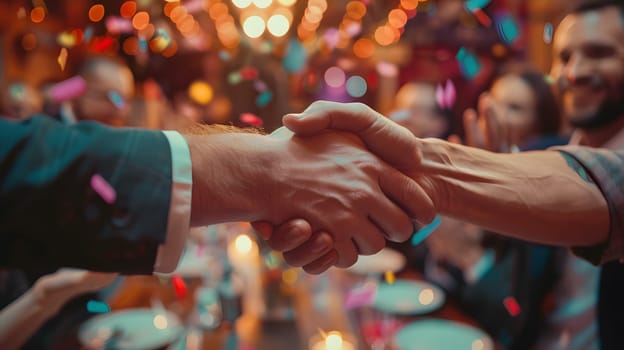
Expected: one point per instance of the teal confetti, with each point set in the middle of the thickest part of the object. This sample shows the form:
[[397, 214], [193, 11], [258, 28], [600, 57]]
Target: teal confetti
[[508, 29], [548, 33], [474, 5], [97, 307], [468, 63], [116, 99], [295, 58], [142, 45], [264, 98], [420, 235]]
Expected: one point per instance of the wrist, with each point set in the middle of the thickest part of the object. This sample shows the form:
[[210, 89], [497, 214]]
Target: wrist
[[229, 171]]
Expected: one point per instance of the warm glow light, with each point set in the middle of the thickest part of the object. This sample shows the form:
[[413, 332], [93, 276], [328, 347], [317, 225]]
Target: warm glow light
[[335, 77], [287, 2], [160, 322], [262, 3], [322, 4], [241, 4], [96, 12], [131, 46], [243, 244], [478, 345], [356, 9], [313, 14], [128, 9], [177, 14], [333, 341], [384, 35], [254, 26], [278, 25], [140, 20], [169, 7], [37, 15], [200, 92], [425, 297], [409, 4], [363, 48], [289, 276], [217, 10], [397, 18]]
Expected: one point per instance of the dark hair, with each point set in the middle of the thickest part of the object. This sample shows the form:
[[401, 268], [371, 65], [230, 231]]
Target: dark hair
[[591, 5], [548, 115]]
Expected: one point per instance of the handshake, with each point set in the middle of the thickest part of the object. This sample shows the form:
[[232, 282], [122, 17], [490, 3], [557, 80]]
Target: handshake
[[336, 182]]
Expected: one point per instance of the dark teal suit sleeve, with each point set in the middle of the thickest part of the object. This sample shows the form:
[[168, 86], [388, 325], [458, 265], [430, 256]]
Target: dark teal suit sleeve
[[50, 216]]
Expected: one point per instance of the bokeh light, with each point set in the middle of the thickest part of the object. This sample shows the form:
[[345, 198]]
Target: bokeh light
[[397, 18], [384, 35], [140, 20], [426, 296], [241, 4], [160, 322], [262, 4], [363, 48], [96, 13], [128, 9], [356, 86], [333, 341], [278, 25], [243, 244], [335, 77], [287, 2], [254, 26], [37, 15], [200, 92]]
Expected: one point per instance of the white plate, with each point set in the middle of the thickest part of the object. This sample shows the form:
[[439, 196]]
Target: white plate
[[407, 297], [441, 335], [137, 329], [385, 260]]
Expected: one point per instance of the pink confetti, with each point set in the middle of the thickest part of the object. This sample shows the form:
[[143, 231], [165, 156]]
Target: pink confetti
[[446, 95], [251, 119], [118, 25], [103, 188], [512, 306], [68, 89], [362, 296]]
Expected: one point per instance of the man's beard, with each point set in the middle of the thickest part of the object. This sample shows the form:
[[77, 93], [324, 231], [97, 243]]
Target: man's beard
[[609, 110]]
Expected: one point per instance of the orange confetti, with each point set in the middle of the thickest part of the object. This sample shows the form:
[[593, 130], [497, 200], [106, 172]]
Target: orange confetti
[[62, 58], [390, 277]]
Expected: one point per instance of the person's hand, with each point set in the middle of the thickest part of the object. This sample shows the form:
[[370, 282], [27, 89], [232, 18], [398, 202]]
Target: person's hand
[[482, 127], [57, 288]]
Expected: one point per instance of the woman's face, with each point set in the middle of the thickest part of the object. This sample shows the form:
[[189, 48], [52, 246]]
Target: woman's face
[[514, 102]]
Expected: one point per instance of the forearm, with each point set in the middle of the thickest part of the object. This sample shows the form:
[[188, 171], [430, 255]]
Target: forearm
[[21, 319], [534, 196]]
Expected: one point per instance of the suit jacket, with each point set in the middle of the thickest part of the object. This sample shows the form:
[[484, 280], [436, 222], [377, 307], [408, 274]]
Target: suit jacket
[[50, 216]]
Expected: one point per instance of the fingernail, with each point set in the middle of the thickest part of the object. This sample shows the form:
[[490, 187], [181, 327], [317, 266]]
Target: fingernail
[[295, 234], [320, 245], [296, 115]]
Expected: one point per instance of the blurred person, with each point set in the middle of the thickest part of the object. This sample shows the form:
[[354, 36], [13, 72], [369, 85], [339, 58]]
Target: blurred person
[[416, 108], [20, 100], [110, 89], [47, 312]]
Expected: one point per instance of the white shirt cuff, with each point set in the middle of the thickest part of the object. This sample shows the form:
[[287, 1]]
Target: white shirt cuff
[[178, 223]]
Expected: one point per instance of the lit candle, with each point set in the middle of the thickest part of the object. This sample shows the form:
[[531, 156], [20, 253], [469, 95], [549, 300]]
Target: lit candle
[[334, 340]]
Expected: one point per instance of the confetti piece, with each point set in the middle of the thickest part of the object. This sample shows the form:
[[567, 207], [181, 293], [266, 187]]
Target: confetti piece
[[118, 25], [260, 86], [234, 78], [88, 33], [264, 98], [102, 44], [66, 39], [251, 119], [103, 188], [295, 58], [508, 29], [468, 63], [68, 89], [224, 56], [179, 286], [424, 232], [512, 306], [116, 99], [474, 5], [62, 58], [362, 296], [389, 277], [249, 73], [483, 18], [548, 33], [97, 307]]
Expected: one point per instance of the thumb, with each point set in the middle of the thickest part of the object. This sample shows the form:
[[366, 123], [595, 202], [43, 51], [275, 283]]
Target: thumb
[[388, 140]]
